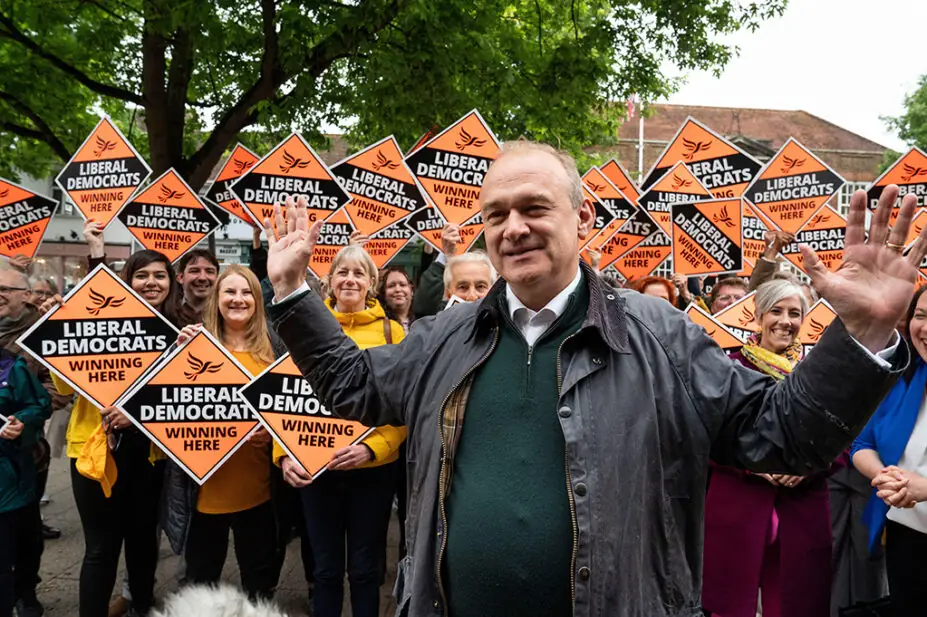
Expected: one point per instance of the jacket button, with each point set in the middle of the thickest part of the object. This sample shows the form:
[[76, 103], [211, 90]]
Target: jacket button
[[581, 491], [437, 604], [597, 360], [610, 296], [565, 412], [584, 573]]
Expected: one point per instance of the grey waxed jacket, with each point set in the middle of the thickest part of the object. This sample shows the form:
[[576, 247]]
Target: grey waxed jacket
[[646, 398]]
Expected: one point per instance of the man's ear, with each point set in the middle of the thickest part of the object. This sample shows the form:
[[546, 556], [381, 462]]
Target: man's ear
[[586, 216], [179, 277], [447, 293]]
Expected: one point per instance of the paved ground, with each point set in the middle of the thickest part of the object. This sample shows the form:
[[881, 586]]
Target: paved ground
[[61, 562]]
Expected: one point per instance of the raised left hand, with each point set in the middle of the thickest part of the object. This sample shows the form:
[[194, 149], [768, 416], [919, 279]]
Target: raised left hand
[[873, 286], [350, 457]]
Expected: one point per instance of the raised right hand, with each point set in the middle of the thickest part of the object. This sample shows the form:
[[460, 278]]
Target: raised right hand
[[450, 238], [290, 247], [93, 234]]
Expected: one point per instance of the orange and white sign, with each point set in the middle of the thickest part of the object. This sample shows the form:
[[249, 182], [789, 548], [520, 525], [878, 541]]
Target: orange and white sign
[[826, 234], [632, 233], [220, 193], [190, 407], [619, 176], [101, 339], [646, 257], [707, 237], [754, 229], [291, 169], [382, 188], [168, 216], [819, 316], [719, 333], [909, 172], [723, 168], [334, 236], [452, 165], [792, 187], [103, 174], [740, 317], [428, 224], [603, 216], [24, 217], [384, 245], [677, 185], [287, 406]]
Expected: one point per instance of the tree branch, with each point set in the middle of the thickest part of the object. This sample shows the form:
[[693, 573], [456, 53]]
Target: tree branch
[[13, 33], [43, 132], [178, 84]]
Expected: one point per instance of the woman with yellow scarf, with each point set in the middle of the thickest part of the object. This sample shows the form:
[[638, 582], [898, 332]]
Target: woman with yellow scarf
[[763, 531]]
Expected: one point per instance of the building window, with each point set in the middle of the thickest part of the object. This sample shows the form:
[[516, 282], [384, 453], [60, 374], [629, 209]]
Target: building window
[[843, 196]]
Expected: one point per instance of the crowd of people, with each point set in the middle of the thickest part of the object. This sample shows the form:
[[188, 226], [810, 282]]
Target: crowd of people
[[606, 435]]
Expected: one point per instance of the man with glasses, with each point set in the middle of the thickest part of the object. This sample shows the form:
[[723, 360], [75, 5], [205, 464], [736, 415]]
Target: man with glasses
[[726, 292]]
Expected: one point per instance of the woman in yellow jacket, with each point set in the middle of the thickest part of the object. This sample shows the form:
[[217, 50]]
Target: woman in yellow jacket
[[129, 515], [349, 505]]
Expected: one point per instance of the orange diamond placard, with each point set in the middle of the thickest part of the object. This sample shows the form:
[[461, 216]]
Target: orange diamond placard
[[220, 193], [707, 237], [632, 233], [677, 185], [334, 236], [168, 216], [384, 245], [620, 177], [24, 217], [451, 166], [101, 339], [723, 168], [740, 317], [291, 169], [910, 174], [382, 188], [819, 316], [190, 406], [792, 187], [619, 204], [103, 173], [644, 258], [719, 333], [428, 224], [287, 406], [826, 234], [603, 216], [754, 229]]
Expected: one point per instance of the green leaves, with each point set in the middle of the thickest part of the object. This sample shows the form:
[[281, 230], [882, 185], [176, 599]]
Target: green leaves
[[911, 126]]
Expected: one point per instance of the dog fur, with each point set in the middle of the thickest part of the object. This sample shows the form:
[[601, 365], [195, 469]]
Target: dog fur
[[222, 601]]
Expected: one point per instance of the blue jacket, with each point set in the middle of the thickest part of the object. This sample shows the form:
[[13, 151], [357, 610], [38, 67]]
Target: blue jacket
[[21, 395], [887, 433]]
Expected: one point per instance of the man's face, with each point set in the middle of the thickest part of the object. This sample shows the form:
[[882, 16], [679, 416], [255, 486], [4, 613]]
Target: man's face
[[532, 229], [470, 281], [197, 280], [14, 294], [727, 295]]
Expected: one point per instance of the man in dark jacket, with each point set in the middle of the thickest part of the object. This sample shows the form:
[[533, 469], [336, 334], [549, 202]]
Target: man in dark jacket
[[578, 486]]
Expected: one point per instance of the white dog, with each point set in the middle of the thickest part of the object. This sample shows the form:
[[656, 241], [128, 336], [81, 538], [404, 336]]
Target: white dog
[[223, 601]]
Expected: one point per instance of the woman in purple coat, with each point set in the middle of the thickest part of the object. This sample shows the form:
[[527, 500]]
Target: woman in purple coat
[[768, 532]]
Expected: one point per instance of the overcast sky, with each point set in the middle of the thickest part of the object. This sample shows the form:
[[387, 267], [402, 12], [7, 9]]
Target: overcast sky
[[847, 61]]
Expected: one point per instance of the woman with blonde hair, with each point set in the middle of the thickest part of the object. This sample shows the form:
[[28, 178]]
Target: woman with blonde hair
[[237, 497], [350, 504]]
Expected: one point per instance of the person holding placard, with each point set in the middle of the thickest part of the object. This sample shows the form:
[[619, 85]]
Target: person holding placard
[[564, 385], [395, 295], [350, 504], [768, 531], [892, 453], [129, 516], [237, 497]]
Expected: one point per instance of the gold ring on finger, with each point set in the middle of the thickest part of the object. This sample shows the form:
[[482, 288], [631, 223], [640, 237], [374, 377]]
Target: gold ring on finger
[[898, 248]]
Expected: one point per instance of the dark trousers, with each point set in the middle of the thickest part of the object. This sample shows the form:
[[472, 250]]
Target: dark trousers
[[904, 561], [402, 498], [20, 530], [347, 515], [255, 537], [129, 516]]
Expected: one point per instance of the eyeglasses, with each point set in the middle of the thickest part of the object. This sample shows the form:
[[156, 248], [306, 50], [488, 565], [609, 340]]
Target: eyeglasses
[[41, 293], [728, 298], [5, 291]]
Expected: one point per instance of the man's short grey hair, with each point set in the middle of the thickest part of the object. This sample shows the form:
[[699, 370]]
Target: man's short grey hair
[[472, 257], [21, 279], [48, 281], [575, 184], [770, 293]]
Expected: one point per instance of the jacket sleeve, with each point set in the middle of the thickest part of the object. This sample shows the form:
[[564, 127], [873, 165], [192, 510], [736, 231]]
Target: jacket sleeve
[[385, 440], [762, 272], [798, 425], [31, 404], [258, 263], [429, 296], [62, 386], [371, 386]]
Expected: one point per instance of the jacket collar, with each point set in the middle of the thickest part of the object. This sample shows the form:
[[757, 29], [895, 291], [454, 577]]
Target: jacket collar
[[606, 313]]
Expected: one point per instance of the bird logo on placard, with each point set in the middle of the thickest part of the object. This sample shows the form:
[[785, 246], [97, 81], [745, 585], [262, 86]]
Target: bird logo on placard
[[383, 162], [817, 329], [595, 188], [240, 167], [103, 146], [911, 172], [788, 163], [746, 316], [291, 162], [917, 227], [200, 368], [680, 183], [818, 219], [694, 147], [167, 194], [102, 302], [465, 140], [4, 193], [723, 217]]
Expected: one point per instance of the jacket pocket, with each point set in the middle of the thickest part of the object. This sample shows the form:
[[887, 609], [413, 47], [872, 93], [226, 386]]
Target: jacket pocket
[[402, 590]]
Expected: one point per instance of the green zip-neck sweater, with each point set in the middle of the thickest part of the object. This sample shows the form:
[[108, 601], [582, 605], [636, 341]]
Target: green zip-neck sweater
[[510, 528]]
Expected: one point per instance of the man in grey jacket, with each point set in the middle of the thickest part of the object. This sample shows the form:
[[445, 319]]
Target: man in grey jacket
[[576, 483]]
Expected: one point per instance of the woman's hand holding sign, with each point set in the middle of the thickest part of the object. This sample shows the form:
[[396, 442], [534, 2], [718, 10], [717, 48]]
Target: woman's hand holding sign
[[873, 286]]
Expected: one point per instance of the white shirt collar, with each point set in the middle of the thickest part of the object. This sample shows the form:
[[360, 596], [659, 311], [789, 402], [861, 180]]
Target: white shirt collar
[[556, 305]]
